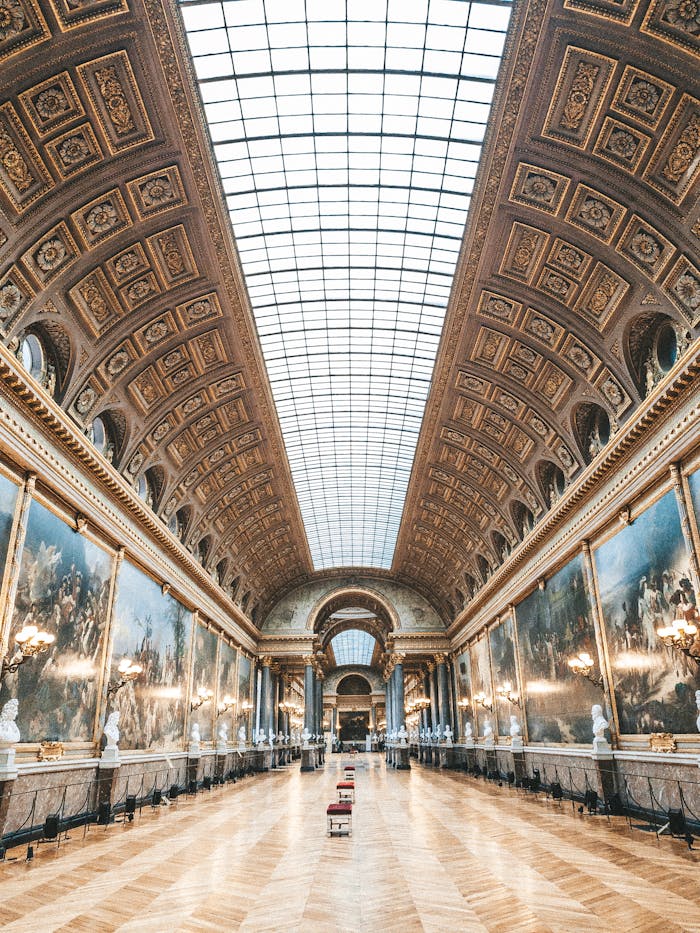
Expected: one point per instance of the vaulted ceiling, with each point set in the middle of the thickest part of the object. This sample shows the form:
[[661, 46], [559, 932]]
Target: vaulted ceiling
[[583, 238], [115, 248]]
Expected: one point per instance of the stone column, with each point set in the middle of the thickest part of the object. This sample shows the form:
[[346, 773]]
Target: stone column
[[266, 696], [319, 704], [334, 721], [309, 699], [443, 695], [373, 718], [388, 705], [434, 718], [400, 702]]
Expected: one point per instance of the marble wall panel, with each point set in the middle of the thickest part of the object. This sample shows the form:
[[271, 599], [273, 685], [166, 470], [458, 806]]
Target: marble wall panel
[[36, 796]]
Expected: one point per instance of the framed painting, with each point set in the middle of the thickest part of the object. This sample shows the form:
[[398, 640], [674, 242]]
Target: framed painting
[[64, 589], [155, 631], [644, 581], [554, 625]]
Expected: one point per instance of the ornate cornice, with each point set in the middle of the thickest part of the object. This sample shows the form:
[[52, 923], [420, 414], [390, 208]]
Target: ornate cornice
[[87, 475]]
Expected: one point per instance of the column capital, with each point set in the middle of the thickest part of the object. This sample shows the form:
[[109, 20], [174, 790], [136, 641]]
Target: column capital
[[431, 666], [266, 661], [308, 660], [440, 657]]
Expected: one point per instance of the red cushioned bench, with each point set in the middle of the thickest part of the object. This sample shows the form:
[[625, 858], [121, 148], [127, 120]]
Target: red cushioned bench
[[349, 772], [339, 819], [346, 791]]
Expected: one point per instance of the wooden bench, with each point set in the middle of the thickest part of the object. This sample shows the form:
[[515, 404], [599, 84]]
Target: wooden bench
[[339, 819], [346, 791]]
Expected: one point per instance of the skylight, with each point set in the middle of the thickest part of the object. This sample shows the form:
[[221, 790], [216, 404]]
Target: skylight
[[353, 647], [348, 134]]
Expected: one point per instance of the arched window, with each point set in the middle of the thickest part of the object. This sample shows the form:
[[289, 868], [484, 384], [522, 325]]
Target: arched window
[[144, 490], [592, 428], [35, 358], [99, 433]]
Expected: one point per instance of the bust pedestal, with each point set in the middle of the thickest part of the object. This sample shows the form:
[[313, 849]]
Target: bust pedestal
[[8, 768], [516, 742]]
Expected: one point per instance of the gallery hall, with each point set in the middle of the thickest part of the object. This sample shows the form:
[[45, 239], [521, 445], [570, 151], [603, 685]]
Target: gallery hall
[[350, 466]]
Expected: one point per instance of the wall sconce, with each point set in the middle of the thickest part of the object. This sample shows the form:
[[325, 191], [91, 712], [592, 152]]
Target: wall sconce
[[505, 691], [203, 696], [680, 634], [127, 671], [29, 641], [464, 703], [583, 664], [482, 700], [246, 707], [226, 704]]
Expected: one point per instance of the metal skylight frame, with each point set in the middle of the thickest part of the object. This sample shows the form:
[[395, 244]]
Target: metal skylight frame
[[347, 135], [353, 646]]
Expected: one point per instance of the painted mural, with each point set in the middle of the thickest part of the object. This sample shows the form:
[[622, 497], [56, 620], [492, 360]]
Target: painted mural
[[63, 588], [481, 683], [206, 644], [244, 681], [8, 500], [644, 582], [154, 630], [227, 686], [554, 625], [504, 667], [464, 689]]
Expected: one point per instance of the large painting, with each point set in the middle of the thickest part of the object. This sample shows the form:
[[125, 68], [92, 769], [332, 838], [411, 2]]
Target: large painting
[[481, 683], [63, 588], [154, 630], [8, 500], [243, 717], [227, 685], [554, 625], [644, 581], [504, 667], [204, 677], [464, 690]]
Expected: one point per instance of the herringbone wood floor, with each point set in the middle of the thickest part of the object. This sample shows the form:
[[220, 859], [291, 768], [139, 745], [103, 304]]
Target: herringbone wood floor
[[430, 851]]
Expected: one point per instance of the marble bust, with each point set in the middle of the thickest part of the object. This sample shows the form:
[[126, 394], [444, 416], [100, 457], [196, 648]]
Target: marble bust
[[402, 734], [241, 736], [9, 733], [468, 731], [448, 735], [111, 730], [697, 703], [223, 733], [305, 736], [488, 733], [514, 726], [600, 724]]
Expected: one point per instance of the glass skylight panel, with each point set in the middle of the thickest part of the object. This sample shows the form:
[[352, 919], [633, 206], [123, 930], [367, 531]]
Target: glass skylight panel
[[348, 135], [353, 646]]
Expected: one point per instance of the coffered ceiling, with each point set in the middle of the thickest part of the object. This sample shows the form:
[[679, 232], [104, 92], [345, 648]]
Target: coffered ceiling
[[584, 236], [115, 248]]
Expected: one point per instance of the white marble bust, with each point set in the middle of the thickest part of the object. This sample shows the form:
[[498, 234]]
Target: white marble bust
[[402, 734], [514, 726], [241, 736], [488, 730], [223, 733], [195, 734], [448, 735], [468, 731], [600, 723], [305, 736], [111, 730], [9, 733]]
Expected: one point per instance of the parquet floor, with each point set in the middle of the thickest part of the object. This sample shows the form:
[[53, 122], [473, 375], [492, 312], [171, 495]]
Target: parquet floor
[[430, 851]]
